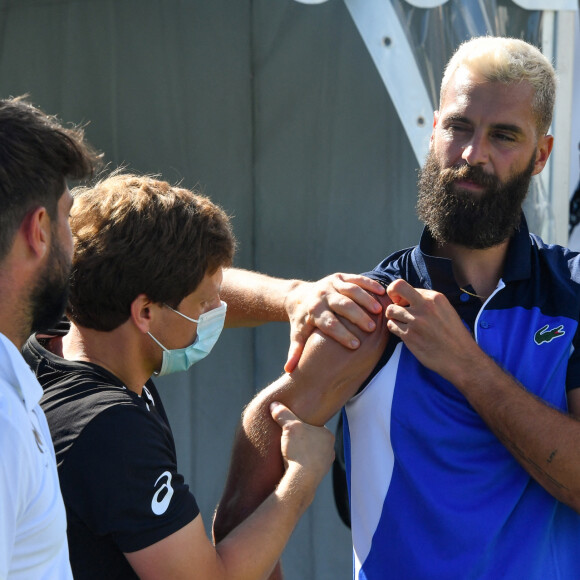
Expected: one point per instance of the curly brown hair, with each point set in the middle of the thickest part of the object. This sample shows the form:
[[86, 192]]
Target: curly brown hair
[[139, 235]]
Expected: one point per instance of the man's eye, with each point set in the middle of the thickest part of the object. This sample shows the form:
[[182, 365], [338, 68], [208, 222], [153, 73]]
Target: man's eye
[[504, 137], [456, 128]]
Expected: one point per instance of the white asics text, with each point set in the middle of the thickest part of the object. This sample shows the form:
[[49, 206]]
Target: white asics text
[[158, 506]]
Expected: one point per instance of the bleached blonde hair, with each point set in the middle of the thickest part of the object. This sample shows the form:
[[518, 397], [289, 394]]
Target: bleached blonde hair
[[508, 61]]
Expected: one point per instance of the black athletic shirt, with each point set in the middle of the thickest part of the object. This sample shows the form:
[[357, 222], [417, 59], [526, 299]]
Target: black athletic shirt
[[116, 464]]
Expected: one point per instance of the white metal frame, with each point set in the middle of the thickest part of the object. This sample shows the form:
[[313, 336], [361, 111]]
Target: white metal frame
[[389, 48], [557, 45]]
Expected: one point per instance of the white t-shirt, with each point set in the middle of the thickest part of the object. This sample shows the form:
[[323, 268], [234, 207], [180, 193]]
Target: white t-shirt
[[32, 516]]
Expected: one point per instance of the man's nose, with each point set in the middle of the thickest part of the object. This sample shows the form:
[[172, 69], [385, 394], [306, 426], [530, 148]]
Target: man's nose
[[476, 152]]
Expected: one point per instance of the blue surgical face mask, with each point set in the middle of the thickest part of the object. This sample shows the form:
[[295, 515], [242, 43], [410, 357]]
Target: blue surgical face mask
[[209, 327]]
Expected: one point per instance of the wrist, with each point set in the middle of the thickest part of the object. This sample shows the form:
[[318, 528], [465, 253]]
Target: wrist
[[289, 301], [298, 485]]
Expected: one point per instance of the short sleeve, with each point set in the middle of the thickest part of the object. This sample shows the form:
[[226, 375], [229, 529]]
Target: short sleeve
[[391, 268], [121, 479]]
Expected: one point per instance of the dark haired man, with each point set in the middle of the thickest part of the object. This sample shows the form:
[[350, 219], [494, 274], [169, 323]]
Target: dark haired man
[[37, 155]]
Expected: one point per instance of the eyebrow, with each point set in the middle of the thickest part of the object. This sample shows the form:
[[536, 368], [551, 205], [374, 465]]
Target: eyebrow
[[507, 127]]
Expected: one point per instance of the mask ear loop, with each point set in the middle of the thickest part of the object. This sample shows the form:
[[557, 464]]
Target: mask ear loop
[[181, 314], [156, 373], [165, 349]]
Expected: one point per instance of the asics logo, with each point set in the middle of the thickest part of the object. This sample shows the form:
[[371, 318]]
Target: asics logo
[[545, 335], [163, 495]]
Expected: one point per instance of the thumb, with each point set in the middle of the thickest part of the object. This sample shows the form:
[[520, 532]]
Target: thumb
[[395, 291], [281, 414], [294, 354]]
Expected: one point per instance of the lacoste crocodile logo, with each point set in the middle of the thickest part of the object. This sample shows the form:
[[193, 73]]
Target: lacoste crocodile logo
[[545, 335]]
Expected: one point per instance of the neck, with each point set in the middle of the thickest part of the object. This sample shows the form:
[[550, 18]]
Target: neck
[[116, 351], [481, 269], [15, 333], [15, 310], [18, 275]]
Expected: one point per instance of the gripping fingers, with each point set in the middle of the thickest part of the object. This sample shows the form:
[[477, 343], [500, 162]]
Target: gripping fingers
[[282, 414], [363, 282], [355, 308], [359, 289], [400, 314], [397, 328], [302, 443], [324, 304], [402, 293], [330, 325]]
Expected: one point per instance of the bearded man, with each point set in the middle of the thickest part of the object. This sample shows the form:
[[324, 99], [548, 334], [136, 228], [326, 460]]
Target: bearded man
[[37, 156], [462, 448]]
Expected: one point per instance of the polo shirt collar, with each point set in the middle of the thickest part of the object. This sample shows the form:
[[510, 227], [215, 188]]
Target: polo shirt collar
[[17, 373], [436, 273]]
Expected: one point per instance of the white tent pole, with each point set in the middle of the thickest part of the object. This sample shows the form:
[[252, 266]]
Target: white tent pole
[[559, 175], [389, 48]]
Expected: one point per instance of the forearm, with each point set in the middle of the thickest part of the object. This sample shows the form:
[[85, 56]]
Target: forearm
[[256, 464], [254, 298], [256, 450], [545, 441], [256, 545], [252, 550]]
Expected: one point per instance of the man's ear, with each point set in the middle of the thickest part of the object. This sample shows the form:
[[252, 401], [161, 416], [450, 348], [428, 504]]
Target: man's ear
[[36, 231], [543, 150], [142, 312], [435, 119]]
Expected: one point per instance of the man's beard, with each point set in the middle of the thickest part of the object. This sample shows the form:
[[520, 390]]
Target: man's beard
[[476, 221], [49, 296]]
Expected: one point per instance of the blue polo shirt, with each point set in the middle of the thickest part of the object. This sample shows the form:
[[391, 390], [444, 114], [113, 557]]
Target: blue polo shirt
[[434, 494]]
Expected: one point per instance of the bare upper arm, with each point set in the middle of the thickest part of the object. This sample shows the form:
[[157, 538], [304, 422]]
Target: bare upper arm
[[328, 374], [187, 553]]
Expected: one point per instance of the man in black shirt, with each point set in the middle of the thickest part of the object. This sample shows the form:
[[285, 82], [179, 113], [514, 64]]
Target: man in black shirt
[[145, 299]]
